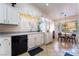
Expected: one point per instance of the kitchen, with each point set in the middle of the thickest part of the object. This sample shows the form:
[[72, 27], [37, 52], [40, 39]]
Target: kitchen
[[25, 28], [16, 21]]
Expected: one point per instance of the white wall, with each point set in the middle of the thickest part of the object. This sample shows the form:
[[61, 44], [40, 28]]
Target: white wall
[[23, 25]]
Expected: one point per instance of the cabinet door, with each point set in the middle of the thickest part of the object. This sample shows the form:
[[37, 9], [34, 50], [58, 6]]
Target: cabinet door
[[48, 38], [5, 46], [39, 40], [12, 15], [2, 14], [42, 39], [31, 42]]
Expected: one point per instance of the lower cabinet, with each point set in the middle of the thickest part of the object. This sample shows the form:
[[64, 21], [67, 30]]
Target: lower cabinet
[[5, 46], [31, 42], [48, 38], [35, 40], [39, 40]]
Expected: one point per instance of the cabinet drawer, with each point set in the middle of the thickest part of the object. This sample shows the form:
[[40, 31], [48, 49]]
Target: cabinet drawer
[[31, 37], [40, 37]]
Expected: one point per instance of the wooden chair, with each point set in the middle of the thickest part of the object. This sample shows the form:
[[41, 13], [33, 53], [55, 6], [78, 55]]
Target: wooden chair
[[59, 36], [74, 38]]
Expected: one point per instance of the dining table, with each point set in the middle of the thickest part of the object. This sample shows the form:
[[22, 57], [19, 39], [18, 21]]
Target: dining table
[[67, 39]]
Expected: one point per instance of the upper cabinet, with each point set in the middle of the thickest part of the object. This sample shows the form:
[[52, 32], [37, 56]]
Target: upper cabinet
[[8, 14], [12, 15], [2, 14]]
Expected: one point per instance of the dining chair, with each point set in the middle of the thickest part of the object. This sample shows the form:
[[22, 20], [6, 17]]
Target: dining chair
[[74, 38], [59, 36]]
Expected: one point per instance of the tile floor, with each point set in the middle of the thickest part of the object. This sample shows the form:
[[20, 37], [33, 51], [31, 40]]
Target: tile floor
[[49, 50], [46, 52]]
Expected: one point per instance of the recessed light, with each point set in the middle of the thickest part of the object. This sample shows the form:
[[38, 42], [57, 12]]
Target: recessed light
[[47, 4]]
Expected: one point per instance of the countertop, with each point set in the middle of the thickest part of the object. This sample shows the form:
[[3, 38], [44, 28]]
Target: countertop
[[17, 33]]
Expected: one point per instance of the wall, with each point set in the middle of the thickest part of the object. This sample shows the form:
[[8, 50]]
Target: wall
[[24, 22]]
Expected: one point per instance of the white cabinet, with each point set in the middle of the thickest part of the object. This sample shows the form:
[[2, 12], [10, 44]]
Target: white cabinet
[[31, 42], [48, 37], [5, 46], [35, 40], [12, 15], [8, 14], [39, 39], [2, 13]]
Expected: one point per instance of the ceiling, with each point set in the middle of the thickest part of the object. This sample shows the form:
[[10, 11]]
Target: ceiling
[[55, 10]]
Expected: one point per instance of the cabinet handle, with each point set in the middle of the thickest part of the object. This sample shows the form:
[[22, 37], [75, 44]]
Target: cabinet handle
[[0, 44], [5, 39], [9, 43]]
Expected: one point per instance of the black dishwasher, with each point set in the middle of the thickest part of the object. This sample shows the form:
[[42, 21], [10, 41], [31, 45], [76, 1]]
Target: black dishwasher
[[19, 44]]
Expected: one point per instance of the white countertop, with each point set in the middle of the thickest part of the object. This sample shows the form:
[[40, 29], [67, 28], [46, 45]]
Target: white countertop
[[17, 33]]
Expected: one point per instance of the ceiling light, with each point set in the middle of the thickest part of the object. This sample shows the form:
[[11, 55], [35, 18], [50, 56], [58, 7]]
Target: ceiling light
[[47, 4]]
